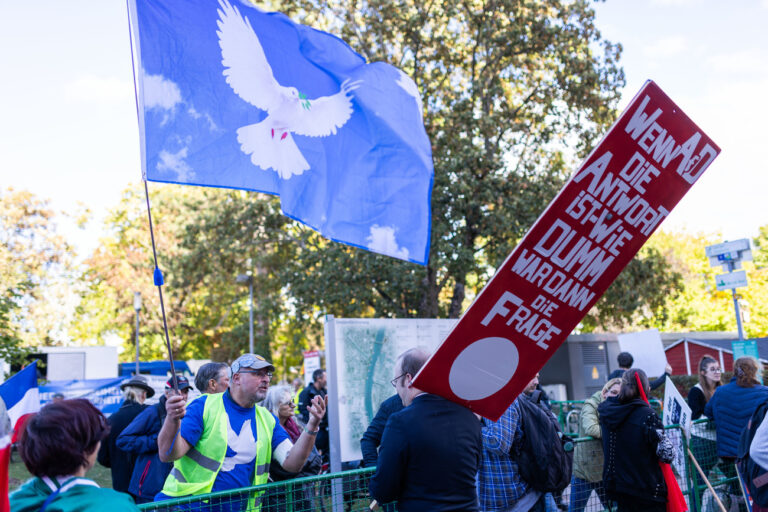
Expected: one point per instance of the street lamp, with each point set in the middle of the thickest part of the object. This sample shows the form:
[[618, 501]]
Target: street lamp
[[248, 279], [137, 308]]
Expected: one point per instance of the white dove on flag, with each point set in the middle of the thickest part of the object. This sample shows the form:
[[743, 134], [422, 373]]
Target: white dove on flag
[[269, 142]]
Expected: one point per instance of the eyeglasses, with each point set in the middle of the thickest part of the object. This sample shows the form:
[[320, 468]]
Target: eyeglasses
[[258, 373], [394, 381], [715, 370]]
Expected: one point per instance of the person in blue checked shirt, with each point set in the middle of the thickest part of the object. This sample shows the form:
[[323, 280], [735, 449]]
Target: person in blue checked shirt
[[499, 486], [225, 441]]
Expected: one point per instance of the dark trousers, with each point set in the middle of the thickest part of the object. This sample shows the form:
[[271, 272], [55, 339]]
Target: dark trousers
[[323, 444], [627, 503], [581, 490]]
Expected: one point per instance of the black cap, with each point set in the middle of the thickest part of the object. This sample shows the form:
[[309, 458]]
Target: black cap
[[181, 381]]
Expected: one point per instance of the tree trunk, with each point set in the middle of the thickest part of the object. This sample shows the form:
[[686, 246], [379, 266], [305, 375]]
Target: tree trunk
[[429, 305]]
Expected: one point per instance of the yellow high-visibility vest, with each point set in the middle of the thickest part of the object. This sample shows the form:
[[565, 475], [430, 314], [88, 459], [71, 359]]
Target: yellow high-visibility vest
[[196, 471]]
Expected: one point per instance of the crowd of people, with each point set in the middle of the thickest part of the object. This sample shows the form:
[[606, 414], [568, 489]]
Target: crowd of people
[[429, 453]]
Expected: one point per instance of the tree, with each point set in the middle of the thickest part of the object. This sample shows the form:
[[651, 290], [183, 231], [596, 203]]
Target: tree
[[760, 249], [37, 271], [11, 349], [514, 93], [205, 238], [123, 264], [700, 306], [639, 297]]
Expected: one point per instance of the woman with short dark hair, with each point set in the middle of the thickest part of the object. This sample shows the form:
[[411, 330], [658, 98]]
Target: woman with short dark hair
[[59, 445], [631, 433]]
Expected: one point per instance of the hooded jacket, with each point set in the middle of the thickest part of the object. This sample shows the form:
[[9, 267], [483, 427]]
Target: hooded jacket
[[630, 439], [588, 457]]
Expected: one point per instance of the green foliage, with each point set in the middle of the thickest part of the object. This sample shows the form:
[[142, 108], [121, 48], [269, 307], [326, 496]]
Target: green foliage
[[513, 94], [639, 297], [11, 349], [37, 273], [760, 248], [700, 306]]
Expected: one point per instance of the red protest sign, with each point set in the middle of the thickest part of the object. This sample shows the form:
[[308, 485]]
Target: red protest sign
[[618, 197]]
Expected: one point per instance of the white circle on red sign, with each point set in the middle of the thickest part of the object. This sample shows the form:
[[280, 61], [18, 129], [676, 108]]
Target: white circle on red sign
[[483, 368]]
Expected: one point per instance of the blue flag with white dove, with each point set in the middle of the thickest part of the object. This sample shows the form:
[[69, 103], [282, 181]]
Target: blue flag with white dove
[[231, 96]]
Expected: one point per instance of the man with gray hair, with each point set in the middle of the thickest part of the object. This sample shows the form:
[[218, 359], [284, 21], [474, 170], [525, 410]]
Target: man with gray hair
[[430, 451], [212, 378]]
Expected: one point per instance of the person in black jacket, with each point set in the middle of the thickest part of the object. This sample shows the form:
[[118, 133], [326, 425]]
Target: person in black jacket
[[140, 439], [703, 444], [316, 388], [135, 391], [625, 361], [369, 444], [430, 451], [631, 433]]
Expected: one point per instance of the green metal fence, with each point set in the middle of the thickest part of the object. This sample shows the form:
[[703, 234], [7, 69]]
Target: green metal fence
[[348, 491], [345, 491]]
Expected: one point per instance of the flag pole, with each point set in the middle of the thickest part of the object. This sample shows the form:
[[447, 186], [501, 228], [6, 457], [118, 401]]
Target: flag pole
[[158, 278], [158, 275], [706, 481]]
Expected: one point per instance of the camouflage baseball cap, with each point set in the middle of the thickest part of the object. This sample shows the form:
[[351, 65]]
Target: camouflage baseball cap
[[253, 361]]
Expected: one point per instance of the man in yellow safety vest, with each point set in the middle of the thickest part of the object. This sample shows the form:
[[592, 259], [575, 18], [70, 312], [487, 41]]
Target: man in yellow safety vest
[[225, 441]]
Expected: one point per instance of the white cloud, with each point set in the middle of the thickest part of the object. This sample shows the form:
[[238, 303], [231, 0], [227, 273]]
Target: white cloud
[[99, 90], [160, 93], [194, 114], [666, 47], [175, 162], [382, 240]]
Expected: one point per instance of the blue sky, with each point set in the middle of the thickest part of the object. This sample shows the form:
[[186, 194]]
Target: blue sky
[[69, 130]]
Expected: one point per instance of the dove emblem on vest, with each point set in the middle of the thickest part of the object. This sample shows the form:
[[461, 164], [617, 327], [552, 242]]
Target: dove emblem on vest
[[243, 444]]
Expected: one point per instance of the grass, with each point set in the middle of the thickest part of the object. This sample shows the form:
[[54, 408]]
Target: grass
[[18, 474]]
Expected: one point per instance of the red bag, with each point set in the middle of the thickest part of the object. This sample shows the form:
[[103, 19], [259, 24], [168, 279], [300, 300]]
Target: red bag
[[675, 499]]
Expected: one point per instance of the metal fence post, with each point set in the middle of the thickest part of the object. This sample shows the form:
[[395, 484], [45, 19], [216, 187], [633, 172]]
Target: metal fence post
[[693, 493]]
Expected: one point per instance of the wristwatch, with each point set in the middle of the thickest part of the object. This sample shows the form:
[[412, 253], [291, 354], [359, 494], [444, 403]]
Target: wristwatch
[[311, 432]]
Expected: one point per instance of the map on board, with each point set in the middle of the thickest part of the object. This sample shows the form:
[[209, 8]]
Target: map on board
[[361, 364]]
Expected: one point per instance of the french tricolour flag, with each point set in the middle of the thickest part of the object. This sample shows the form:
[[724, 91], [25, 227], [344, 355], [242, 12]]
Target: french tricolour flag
[[21, 397]]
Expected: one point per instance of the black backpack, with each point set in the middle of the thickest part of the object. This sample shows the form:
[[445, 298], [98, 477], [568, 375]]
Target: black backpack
[[544, 455], [755, 476]]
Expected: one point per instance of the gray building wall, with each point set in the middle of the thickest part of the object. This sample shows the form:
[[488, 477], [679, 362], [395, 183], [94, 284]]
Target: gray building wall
[[584, 361]]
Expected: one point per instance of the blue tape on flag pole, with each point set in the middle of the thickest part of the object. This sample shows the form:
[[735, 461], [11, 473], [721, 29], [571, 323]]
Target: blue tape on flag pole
[[158, 277]]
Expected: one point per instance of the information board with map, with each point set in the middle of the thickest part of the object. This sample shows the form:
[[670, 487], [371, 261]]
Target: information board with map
[[361, 357]]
